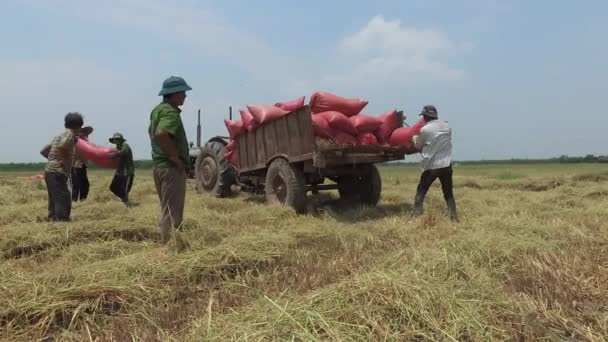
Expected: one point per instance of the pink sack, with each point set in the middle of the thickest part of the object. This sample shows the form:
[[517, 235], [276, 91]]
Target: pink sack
[[232, 157], [99, 155], [367, 139], [235, 128], [291, 105], [390, 122], [249, 122], [342, 138], [320, 126], [323, 102], [263, 114], [365, 123], [403, 136], [339, 121], [231, 145]]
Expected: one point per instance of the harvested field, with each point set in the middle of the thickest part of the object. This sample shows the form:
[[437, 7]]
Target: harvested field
[[527, 262]]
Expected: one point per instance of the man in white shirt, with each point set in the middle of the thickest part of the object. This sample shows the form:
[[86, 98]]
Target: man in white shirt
[[435, 145]]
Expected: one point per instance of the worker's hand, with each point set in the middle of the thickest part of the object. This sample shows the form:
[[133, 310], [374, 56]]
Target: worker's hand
[[415, 140], [178, 162]]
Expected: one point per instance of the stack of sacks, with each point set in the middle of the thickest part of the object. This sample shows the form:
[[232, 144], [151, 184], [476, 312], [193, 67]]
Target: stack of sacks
[[252, 117], [340, 119], [337, 118]]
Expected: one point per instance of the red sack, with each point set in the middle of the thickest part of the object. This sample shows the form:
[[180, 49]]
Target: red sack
[[232, 157], [263, 114], [365, 123], [390, 122], [403, 136], [323, 102], [320, 126], [339, 121], [99, 155], [367, 139], [342, 138], [235, 128], [249, 122], [231, 145], [291, 105]]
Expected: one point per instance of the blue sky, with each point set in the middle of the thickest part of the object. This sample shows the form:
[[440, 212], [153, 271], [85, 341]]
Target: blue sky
[[513, 78]]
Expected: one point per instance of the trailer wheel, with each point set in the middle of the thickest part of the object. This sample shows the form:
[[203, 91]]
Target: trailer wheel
[[285, 185], [214, 174], [364, 189]]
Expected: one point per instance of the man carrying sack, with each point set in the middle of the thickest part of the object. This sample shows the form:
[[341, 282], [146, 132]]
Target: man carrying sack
[[435, 145], [125, 172], [60, 158]]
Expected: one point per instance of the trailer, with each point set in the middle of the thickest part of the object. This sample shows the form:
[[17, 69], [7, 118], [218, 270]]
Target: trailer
[[284, 161]]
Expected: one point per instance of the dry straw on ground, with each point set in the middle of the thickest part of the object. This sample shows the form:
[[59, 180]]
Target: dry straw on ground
[[529, 261]]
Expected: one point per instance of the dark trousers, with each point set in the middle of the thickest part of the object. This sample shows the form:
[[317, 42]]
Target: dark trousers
[[59, 197], [121, 186], [428, 177], [80, 184]]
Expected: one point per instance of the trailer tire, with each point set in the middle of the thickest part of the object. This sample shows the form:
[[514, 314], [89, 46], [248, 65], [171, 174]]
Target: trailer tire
[[285, 185], [364, 189], [214, 174]]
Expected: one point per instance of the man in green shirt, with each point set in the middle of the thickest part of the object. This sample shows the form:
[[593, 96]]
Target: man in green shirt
[[170, 154], [123, 178]]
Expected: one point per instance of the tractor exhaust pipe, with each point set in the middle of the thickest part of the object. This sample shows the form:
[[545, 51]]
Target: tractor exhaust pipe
[[230, 112], [198, 130]]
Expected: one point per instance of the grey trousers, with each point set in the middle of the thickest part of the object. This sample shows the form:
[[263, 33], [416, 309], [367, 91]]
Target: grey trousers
[[60, 198], [171, 188]]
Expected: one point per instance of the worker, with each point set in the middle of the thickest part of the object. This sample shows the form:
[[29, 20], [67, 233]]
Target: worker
[[170, 157], [435, 146], [125, 172], [60, 155], [80, 179]]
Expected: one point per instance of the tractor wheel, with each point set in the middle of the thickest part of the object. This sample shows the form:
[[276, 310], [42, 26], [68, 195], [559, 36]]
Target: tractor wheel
[[214, 174], [285, 185], [364, 189]]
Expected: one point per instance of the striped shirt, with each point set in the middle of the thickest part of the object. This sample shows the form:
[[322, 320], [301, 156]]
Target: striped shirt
[[61, 153]]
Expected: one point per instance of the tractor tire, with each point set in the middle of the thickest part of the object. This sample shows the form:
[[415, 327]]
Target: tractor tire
[[285, 185], [214, 174], [364, 189]]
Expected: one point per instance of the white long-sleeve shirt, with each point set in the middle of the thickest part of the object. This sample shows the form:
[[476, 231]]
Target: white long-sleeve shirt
[[435, 145]]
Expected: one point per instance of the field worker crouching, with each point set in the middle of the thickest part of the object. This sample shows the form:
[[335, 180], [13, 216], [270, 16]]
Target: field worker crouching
[[80, 179], [125, 172], [435, 145], [170, 154], [60, 155]]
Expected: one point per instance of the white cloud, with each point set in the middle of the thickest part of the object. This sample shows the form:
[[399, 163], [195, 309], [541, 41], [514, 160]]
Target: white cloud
[[180, 22], [382, 36], [386, 51]]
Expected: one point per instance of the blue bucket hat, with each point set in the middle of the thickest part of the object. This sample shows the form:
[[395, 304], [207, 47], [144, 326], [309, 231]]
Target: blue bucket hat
[[172, 85]]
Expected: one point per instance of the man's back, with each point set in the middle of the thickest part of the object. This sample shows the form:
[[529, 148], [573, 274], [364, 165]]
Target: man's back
[[435, 141]]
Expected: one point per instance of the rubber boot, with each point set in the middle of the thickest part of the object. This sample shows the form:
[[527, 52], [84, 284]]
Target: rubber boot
[[418, 205], [452, 210]]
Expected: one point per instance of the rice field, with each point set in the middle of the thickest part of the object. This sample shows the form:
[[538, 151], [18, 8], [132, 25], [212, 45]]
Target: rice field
[[527, 262]]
